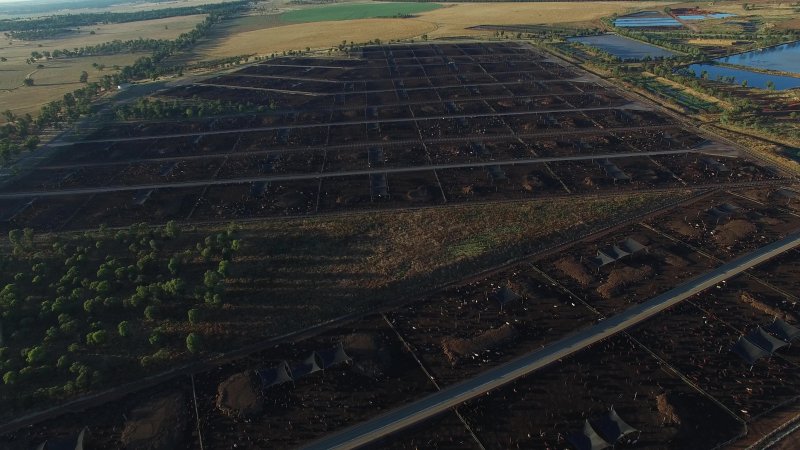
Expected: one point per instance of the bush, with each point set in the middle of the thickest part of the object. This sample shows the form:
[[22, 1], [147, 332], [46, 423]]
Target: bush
[[35, 355], [194, 315], [193, 342], [156, 337], [150, 312], [124, 328], [99, 337], [10, 377]]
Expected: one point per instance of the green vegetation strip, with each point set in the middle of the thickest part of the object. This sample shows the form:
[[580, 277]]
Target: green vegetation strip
[[356, 11]]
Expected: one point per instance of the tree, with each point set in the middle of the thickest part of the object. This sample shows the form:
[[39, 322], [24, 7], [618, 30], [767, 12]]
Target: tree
[[150, 312], [28, 81], [173, 265], [193, 342], [194, 315], [10, 377], [98, 337], [35, 355], [156, 337], [84, 77], [124, 328]]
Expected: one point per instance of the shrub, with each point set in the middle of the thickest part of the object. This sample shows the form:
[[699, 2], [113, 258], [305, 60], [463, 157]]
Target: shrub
[[194, 315], [97, 337], [124, 328], [193, 342]]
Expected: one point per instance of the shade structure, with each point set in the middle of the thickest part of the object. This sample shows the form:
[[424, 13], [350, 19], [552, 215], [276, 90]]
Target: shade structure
[[307, 366], [504, 295], [614, 429], [764, 340], [631, 245], [334, 356], [748, 351], [601, 259], [275, 375], [783, 330], [587, 439]]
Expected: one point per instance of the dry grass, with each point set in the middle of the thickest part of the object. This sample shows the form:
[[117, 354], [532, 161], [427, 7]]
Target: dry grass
[[61, 76], [56, 79], [313, 35], [452, 20], [712, 42]]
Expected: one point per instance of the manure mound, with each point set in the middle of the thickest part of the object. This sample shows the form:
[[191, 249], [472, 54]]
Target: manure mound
[[733, 231], [239, 396], [456, 349], [157, 424], [619, 278], [574, 270]]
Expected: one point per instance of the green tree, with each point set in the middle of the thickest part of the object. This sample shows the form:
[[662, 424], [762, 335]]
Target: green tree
[[98, 337], [10, 377], [84, 77], [194, 315], [124, 328], [35, 355], [193, 342]]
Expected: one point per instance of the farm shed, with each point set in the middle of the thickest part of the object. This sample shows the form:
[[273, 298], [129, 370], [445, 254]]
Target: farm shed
[[748, 351], [588, 439], [783, 330]]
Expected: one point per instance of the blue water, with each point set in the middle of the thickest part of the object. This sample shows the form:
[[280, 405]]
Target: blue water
[[622, 47], [646, 22], [704, 17], [754, 79], [784, 58]]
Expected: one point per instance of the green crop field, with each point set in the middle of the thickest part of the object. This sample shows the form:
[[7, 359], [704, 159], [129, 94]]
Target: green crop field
[[355, 11]]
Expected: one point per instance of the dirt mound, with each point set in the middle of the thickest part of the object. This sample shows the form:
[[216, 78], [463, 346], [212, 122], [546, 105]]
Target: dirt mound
[[684, 229], [239, 395], [157, 424], [619, 278], [670, 258], [667, 410], [574, 270], [365, 344], [370, 356], [733, 231], [457, 348], [756, 304]]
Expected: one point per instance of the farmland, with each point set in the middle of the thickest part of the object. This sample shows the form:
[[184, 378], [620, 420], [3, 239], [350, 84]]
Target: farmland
[[448, 21], [59, 76], [352, 11]]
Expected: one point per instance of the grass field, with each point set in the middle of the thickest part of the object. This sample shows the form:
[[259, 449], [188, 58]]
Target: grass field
[[352, 11], [61, 76], [56, 79]]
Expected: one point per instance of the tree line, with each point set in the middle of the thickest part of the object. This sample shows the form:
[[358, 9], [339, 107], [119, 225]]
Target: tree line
[[52, 26]]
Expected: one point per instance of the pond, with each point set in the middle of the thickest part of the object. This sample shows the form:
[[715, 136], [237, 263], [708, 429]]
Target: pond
[[646, 22], [754, 79], [623, 48], [783, 58], [706, 16]]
